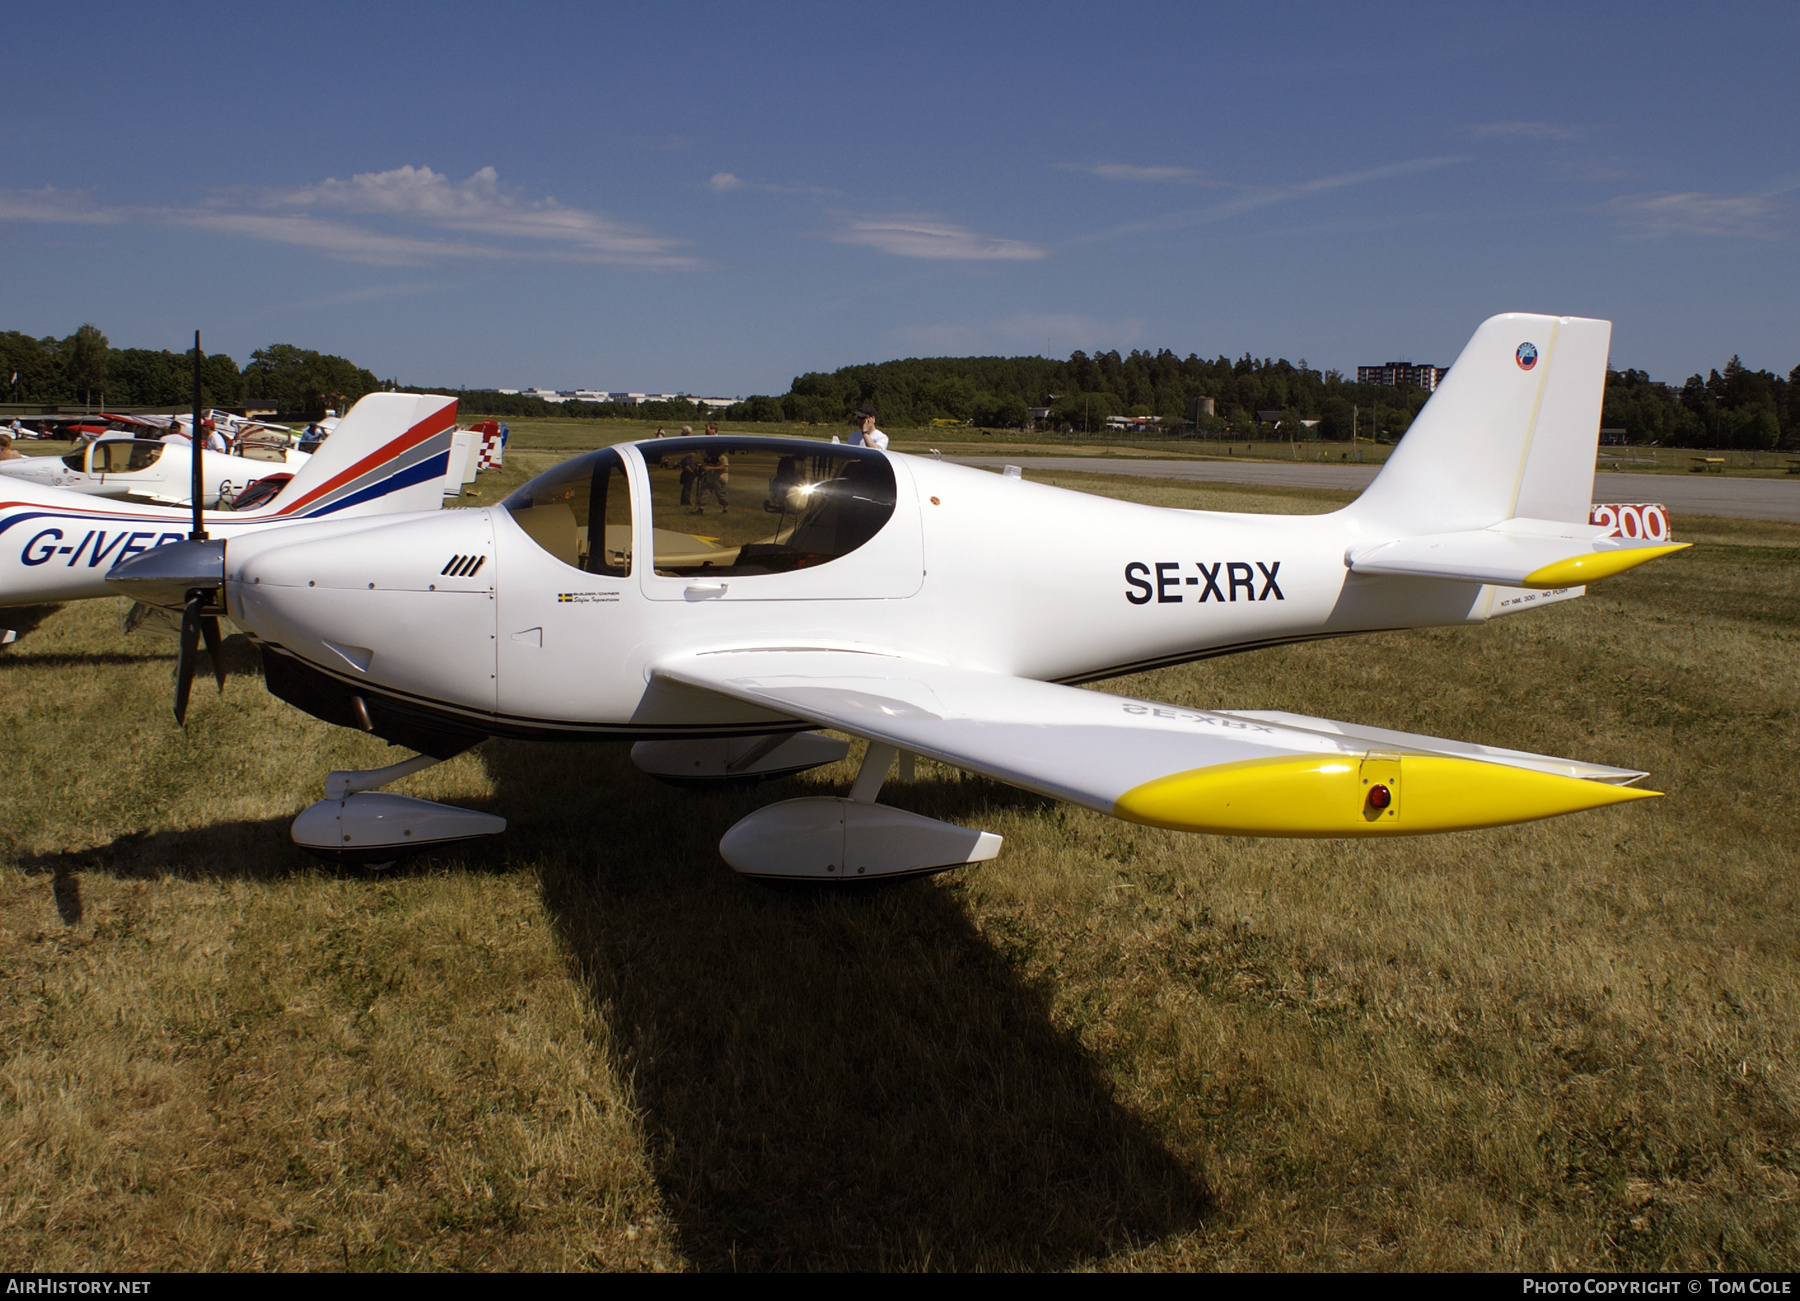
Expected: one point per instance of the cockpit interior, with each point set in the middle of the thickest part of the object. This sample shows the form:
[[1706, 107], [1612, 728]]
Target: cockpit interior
[[114, 456], [719, 506]]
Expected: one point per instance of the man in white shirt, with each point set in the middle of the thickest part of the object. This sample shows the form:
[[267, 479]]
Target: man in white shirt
[[866, 434]]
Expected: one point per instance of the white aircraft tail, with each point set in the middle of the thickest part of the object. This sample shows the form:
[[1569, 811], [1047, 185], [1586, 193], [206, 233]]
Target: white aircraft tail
[[1510, 433], [389, 454]]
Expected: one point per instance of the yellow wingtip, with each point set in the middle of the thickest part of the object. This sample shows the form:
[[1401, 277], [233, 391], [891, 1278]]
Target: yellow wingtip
[[1327, 796], [1595, 565]]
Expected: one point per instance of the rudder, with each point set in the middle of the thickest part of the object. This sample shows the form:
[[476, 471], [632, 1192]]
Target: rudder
[[388, 454], [1511, 432]]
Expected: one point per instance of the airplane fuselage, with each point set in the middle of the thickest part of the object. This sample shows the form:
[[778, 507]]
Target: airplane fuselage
[[466, 615], [146, 469], [59, 546]]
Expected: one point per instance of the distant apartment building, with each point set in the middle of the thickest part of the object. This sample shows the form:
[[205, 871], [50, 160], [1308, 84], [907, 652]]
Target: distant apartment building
[[1396, 373]]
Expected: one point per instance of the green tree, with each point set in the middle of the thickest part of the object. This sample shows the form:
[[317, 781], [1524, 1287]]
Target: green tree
[[300, 380], [85, 354], [1757, 431], [1336, 417], [1290, 429], [38, 365]]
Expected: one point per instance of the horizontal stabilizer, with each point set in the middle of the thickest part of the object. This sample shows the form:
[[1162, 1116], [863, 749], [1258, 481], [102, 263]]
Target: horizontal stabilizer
[[1187, 769], [1516, 553]]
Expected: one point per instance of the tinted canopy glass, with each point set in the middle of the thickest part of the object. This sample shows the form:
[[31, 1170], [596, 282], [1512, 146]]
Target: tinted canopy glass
[[740, 506], [567, 509], [120, 455]]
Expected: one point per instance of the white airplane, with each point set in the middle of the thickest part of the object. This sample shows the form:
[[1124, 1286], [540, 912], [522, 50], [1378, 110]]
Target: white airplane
[[153, 470], [933, 610], [389, 454]]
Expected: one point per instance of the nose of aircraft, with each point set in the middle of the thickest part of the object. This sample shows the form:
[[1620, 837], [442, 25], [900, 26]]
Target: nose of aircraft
[[406, 607], [165, 575]]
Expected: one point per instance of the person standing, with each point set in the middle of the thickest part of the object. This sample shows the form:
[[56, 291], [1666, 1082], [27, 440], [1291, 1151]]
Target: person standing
[[715, 478], [867, 435], [7, 451]]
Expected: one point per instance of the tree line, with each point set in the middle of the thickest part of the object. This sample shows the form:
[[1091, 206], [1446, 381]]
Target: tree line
[[1251, 397], [85, 368]]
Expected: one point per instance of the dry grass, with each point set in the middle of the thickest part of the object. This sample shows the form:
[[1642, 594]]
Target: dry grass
[[588, 1044]]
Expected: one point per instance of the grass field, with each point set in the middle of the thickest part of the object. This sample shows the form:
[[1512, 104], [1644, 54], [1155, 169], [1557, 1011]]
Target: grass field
[[587, 1044]]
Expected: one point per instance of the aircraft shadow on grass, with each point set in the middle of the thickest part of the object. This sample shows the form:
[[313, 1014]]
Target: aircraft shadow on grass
[[849, 1078], [242, 658], [245, 851], [25, 619]]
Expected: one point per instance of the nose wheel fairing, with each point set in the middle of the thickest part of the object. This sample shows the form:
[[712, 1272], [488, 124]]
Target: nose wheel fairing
[[376, 827]]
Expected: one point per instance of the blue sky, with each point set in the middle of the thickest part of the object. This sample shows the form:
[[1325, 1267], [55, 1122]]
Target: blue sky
[[713, 198]]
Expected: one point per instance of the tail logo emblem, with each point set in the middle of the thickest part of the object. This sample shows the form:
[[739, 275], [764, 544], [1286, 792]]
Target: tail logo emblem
[[1527, 355]]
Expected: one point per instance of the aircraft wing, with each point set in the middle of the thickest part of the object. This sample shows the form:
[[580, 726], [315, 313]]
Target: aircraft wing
[[157, 498], [1516, 553], [1187, 769]]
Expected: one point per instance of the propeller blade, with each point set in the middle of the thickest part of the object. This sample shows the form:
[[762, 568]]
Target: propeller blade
[[209, 629], [184, 666], [199, 452]]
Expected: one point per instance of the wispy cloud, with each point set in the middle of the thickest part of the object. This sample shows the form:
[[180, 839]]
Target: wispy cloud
[[340, 241], [1694, 213], [411, 215], [479, 206], [725, 182], [1524, 131], [1251, 198], [925, 238], [1133, 172], [56, 207]]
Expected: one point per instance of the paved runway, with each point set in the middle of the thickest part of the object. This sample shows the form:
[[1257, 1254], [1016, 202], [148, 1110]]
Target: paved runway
[[1709, 494]]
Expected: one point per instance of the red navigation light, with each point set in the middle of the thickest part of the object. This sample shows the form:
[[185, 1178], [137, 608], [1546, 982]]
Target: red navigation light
[[1380, 797]]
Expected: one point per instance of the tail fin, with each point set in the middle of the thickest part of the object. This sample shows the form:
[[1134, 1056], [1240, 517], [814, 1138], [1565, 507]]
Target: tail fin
[[389, 454], [1510, 432]]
